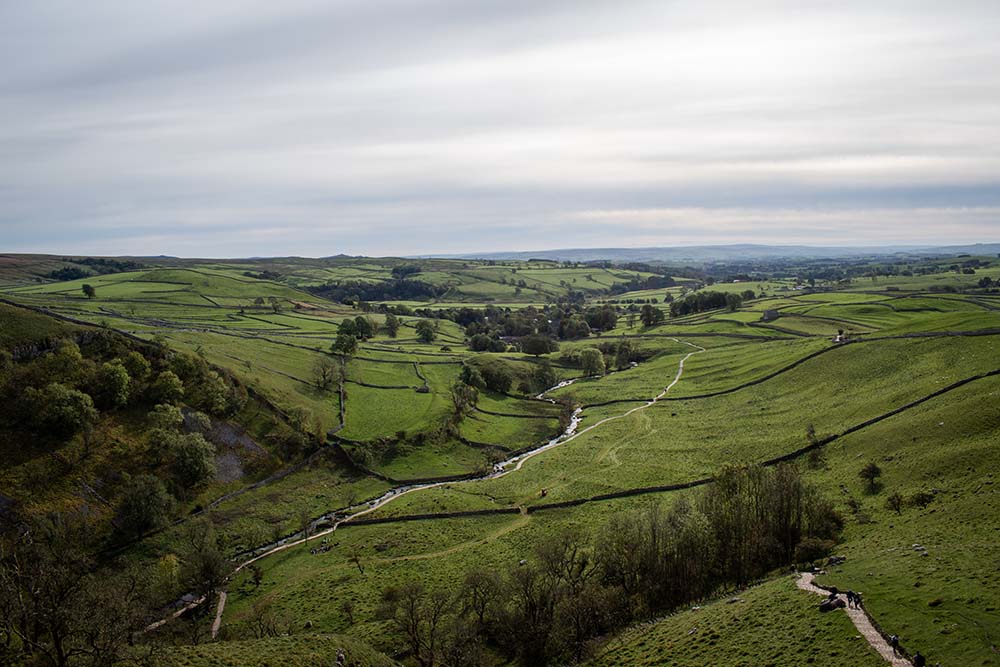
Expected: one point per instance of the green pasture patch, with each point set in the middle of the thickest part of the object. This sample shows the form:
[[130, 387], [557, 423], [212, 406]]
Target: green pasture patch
[[517, 406], [434, 459], [737, 316], [840, 297], [509, 432], [815, 326], [401, 374], [940, 304], [947, 280], [737, 361], [283, 374], [74, 288], [962, 321], [872, 315], [375, 413]]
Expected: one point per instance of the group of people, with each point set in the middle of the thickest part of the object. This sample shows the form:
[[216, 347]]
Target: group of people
[[853, 599], [854, 602]]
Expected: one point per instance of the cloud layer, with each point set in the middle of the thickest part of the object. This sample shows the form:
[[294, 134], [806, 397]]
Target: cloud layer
[[400, 127]]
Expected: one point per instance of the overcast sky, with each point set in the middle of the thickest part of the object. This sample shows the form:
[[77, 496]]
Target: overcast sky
[[237, 128]]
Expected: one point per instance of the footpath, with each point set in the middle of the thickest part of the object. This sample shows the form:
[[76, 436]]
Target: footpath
[[861, 621]]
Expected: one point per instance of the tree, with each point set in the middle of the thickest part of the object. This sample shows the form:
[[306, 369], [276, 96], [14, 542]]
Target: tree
[[471, 376], [543, 377], [481, 593], [325, 372], [419, 616], [192, 461], [213, 394], [870, 474], [204, 564], [497, 376], [625, 353], [114, 384], [592, 361], [54, 609], [61, 411], [145, 505], [604, 318], [89, 291], [348, 327], [538, 344], [463, 397], [263, 620], [895, 502], [137, 366], [363, 327], [166, 388], [425, 331], [392, 325], [345, 344], [650, 315]]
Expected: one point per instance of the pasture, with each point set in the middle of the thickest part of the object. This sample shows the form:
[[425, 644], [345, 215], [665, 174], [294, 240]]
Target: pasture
[[749, 392]]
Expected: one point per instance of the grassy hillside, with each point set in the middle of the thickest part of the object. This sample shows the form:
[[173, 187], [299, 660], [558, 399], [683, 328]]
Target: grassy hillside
[[772, 624], [750, 391]]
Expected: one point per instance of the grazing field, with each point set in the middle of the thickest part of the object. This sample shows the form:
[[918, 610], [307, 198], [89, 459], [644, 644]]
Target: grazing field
[[390, 433]]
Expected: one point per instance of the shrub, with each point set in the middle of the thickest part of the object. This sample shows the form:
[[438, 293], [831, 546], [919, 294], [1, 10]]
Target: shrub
[[811, 549]]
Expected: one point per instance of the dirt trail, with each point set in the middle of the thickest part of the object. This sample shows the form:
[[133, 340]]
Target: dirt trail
[[861, 622]]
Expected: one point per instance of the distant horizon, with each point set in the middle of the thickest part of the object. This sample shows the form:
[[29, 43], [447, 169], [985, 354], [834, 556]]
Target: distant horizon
[[888, 247]]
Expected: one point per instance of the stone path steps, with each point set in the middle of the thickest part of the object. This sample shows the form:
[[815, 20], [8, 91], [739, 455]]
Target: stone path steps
[[861, 622]]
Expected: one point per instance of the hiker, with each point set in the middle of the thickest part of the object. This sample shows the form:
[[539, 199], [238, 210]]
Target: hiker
[[857, 601], [919, 660], [852, 599], [894, 643]]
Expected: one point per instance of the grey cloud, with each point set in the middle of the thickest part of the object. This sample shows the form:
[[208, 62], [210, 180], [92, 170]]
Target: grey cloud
[[414, 127]]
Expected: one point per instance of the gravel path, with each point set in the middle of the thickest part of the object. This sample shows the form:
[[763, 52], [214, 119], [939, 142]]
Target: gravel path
[[860, 620]]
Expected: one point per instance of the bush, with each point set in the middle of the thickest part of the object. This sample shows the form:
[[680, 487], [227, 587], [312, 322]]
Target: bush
[[811, 549], [921, 499]]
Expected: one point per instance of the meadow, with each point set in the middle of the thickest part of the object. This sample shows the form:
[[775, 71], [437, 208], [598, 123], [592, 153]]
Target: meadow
[[750, 391]]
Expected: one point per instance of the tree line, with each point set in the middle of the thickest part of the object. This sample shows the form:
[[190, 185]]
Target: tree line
[[700, 301], [550, 607]]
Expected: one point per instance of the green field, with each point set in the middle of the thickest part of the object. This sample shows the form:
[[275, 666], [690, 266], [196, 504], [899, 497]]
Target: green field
[[749, 392]]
